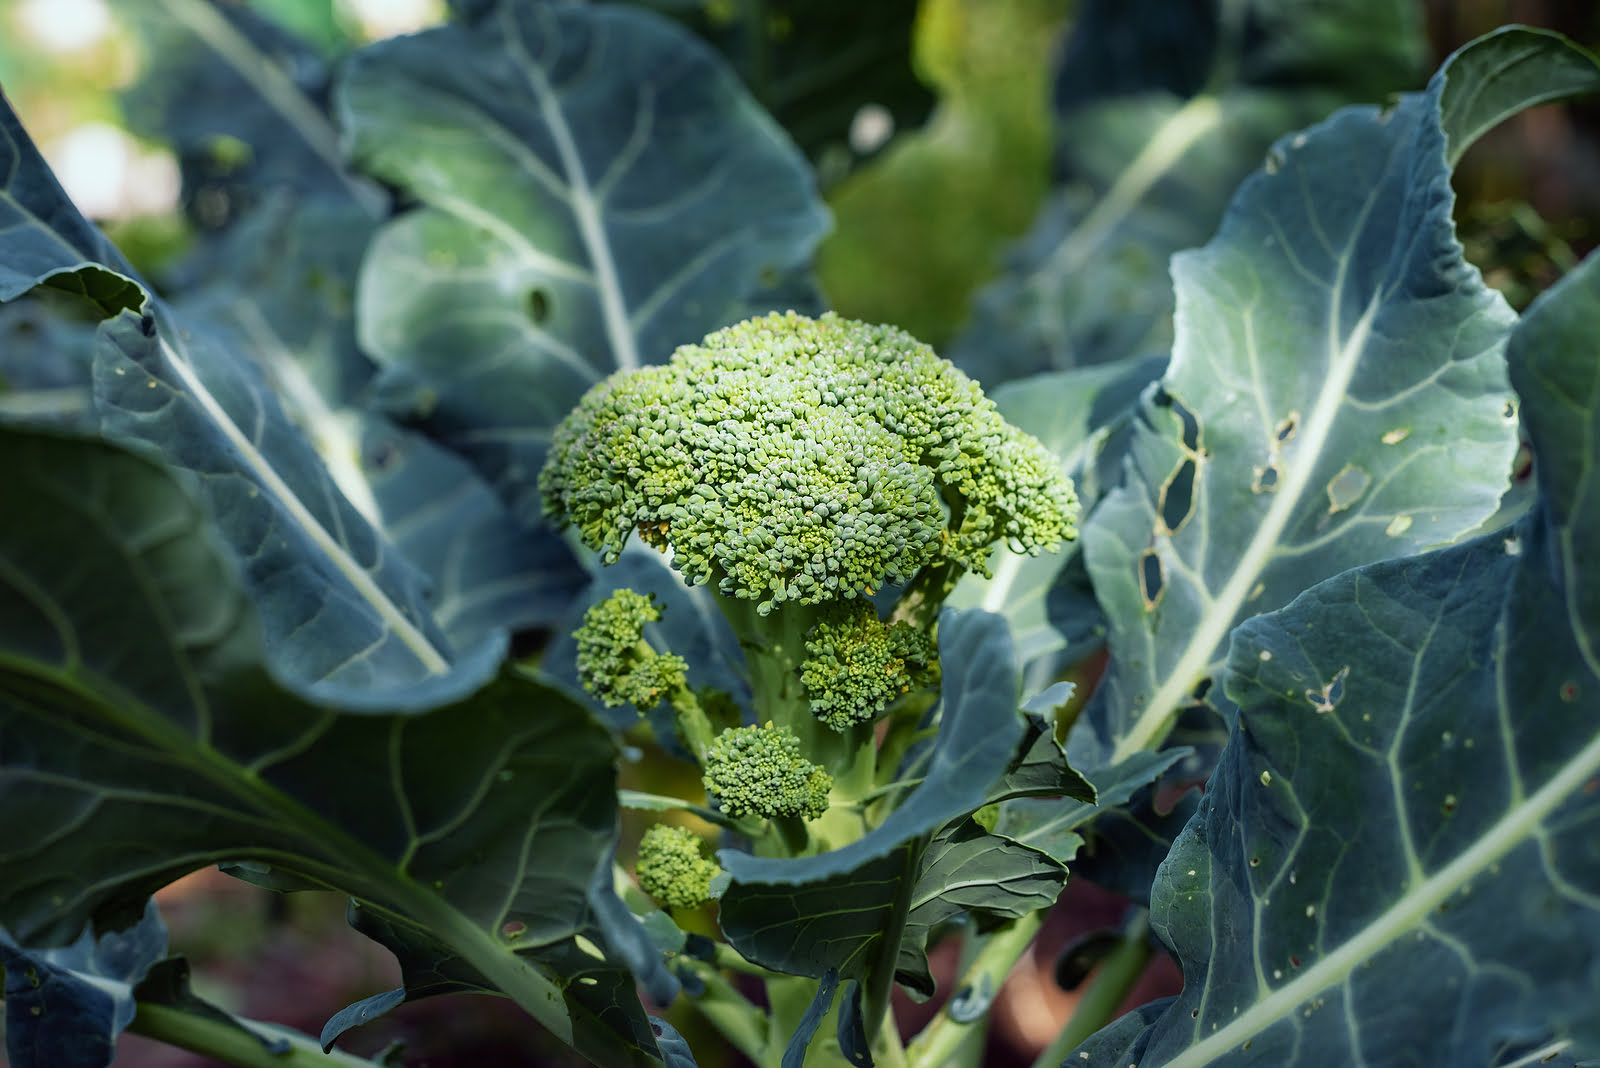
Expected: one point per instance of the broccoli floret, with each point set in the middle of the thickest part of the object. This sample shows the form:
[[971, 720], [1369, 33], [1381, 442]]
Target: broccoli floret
[[672, 869], [759, 771], [615, 663], [807, 460], [856, 664]]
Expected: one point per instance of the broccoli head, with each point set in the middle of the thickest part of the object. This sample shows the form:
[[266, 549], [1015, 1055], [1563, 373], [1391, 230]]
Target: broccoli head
[[856, 664], [615, 663], [672, 869], [758, 771], [809, 460]]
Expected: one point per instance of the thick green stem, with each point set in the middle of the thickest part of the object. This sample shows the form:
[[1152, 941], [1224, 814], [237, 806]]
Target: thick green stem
[[942, 1041], [1108, 990], [741, 1023], [231, 1045]]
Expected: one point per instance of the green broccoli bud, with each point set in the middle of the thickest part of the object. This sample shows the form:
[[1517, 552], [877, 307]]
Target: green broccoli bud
[[758, 771], [615, 663], [803, 460], [856, 664], [672, 869]]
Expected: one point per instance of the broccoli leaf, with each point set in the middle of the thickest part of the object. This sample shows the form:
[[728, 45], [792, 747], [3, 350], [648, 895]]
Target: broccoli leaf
[[1337, 349], [284, 295], [572, 223], [1161, 113], [1393, 862], [150, 740], [66, 1006], [244, 105], [967, 869]]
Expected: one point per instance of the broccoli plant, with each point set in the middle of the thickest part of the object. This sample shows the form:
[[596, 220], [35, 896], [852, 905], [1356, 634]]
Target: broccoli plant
[[507, 514]]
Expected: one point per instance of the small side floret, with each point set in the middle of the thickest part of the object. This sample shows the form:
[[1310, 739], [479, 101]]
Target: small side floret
[[856, 664], [615, 663], [758, 771], [672, 869]]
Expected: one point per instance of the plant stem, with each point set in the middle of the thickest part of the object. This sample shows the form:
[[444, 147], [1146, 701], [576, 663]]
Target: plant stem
[[940, 1041], [232, 1045], [1109, 988]]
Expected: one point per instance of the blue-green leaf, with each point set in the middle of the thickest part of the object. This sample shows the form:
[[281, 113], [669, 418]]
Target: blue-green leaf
[[244, 105], [1337, 350], [145, 737], [572, 222], [66, 1006], [283, 295], [1161, 112], [965, 869], [1394, 861]]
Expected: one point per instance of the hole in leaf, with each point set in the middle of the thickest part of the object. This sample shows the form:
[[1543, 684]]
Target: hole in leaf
[[513, 929], [1346, 488], [1273, 162], [1325, 699], [1522, 466], [1189, 424], [1286, 429], [1266, 479], [1177, 494], [538, 305], [1201, 688], [1150, 578], [1509, 411]]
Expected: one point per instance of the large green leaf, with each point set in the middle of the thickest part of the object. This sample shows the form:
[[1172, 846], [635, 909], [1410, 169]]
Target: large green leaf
[[66, 1006], [967, 870], [1394, 862], [815, 65], [572, 223], [1161, 111], [339, 607], [1337, 350], [43, 239], [141, 737], [282, 292], [244, 105]]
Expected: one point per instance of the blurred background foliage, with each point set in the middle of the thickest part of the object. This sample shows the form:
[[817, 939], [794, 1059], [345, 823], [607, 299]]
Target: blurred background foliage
[[965, 151]]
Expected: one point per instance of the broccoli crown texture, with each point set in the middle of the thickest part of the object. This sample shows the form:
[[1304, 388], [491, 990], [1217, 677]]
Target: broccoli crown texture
[[797, 459], [672, 869], [856, 664], [758, 771], [614, 661]]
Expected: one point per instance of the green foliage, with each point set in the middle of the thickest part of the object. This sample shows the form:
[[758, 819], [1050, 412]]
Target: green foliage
[[856, 664], [759, 771], [672, 869], [279, 588]]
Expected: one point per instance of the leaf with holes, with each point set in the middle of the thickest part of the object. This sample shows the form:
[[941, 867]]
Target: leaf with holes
[[1336, 396], [1394, 862], [572, 222]]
